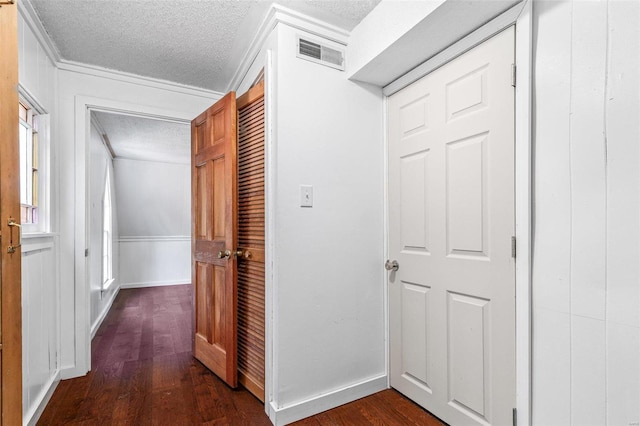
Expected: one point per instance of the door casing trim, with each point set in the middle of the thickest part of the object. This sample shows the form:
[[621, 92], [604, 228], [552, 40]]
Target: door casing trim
[[83, 106]]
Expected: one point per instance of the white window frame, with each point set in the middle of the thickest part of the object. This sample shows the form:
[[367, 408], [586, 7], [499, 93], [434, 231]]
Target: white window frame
[[107, 233], [44, 166]]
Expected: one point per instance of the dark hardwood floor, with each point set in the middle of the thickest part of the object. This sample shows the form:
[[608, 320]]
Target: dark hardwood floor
[[143, 373]]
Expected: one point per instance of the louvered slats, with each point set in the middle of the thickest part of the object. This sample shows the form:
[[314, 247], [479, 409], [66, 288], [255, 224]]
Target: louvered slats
[[251, 226]]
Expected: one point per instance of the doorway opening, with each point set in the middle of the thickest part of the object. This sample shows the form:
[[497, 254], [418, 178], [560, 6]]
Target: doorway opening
[[138, 209]]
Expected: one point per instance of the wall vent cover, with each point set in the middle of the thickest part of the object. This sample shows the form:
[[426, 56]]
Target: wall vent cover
[[320, 54]]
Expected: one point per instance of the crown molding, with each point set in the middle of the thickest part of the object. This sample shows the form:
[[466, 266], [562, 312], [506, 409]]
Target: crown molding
[[282, 15], [31, 18], [28, 13], [276, 15], [139, 80]]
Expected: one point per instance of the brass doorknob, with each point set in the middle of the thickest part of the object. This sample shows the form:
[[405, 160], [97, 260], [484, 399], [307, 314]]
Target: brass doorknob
[[224, 254]]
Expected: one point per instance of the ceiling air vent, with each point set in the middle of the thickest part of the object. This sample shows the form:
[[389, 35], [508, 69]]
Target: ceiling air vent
[[320, 54]]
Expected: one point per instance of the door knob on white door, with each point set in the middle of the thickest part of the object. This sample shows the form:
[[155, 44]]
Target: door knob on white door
[[391, 265]]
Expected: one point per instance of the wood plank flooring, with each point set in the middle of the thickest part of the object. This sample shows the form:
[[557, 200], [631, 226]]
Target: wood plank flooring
[[143, 373]]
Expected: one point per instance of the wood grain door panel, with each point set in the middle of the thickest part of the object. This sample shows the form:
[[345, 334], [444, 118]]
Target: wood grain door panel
[[10, 263], [214, 229]]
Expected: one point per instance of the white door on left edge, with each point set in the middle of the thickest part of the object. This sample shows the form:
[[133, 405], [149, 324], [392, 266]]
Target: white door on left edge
[[451, 214]]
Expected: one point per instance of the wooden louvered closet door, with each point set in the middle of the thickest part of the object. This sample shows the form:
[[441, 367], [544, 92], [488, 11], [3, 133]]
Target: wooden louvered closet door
[[251, 232]]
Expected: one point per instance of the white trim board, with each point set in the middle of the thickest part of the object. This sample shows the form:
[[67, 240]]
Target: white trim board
[[96, 325], [139, 80], [519, 15], [154, 284], [33, 21], [524, 206], [309, 407], [37, 245], [385, 176], [270, 283], [144, 239], [32, 416]]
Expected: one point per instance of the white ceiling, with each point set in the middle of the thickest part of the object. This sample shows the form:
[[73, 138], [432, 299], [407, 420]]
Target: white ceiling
[[184, 41], [139, 138]]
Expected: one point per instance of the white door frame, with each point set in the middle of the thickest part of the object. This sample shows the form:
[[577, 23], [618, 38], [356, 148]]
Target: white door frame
[[519, 15], [84, 105]]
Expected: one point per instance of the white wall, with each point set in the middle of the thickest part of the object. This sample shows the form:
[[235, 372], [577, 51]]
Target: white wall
[[586, 282], [100, 163], [154, 212], [328, 280], [40, 323], [80, 88], [37, 72], [40, 284]]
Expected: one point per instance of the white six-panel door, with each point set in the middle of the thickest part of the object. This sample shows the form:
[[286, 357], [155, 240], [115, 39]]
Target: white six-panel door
[[451, 214]]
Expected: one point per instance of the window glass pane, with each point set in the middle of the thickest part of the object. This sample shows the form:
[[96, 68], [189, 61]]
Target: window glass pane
[[107, 252], [29, 166], [22, 112], [23, 164], [31, 178]]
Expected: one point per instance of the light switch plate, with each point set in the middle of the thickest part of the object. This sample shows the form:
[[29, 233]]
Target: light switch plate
[[306, 196]]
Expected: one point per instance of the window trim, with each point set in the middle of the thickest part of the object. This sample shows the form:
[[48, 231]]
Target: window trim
[[107, 234], [44, 165]]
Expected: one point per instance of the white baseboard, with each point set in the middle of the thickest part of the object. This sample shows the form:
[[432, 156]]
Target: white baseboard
[[310, 407], [96, 325], [32, 416], [154, 284], [71, 372]]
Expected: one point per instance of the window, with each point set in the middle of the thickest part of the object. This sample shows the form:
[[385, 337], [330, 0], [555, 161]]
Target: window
[[33, 128], [107, 235], [29, 156]]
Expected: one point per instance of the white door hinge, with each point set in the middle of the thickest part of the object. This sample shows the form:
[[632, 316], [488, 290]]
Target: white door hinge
[[513, 247], [515, 417], [513, 75]]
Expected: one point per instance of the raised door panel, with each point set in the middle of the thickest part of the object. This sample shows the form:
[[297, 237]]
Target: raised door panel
[[214, 193], [414, 199], [451, 218], [415, 335], [468, 335], [466, 196]]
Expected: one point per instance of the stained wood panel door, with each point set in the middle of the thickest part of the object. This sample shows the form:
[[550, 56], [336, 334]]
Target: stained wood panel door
[[214, 239], [451, 212], [251, 234], [10, 269]]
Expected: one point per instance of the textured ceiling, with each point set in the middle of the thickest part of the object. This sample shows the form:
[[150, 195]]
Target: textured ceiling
[[138, 138], [184, 41]]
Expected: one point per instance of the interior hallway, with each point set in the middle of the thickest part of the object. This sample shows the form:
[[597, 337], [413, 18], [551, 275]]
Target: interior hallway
[[143, 373]]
